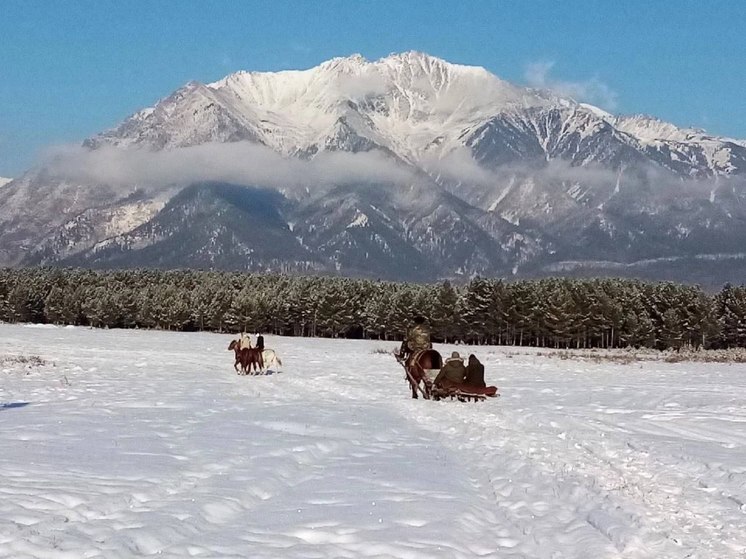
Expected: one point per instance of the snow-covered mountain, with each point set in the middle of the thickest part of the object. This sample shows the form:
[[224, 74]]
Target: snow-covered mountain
[[408, 103], [415, 106], [4, 181], [490, 178]]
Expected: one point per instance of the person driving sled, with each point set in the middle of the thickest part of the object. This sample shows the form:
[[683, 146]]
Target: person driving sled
[[418, 338]]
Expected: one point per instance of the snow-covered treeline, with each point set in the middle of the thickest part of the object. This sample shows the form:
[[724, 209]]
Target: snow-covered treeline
[[548, 312]]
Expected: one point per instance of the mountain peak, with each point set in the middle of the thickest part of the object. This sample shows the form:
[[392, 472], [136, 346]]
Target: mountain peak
[[411, 104], [344, 63], [415, 56], [649, 128]]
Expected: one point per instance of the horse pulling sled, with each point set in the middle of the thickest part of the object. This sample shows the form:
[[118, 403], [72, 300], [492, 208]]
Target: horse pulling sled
[[422, 368]]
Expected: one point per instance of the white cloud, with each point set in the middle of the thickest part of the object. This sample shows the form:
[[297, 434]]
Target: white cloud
[[460, 166], [592, 91], [239, 162], [365, 83]]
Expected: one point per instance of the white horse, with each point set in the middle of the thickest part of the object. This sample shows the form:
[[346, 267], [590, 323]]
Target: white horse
[[271, 361]]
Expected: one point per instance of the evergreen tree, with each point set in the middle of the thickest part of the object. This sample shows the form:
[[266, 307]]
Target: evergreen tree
[[444, 319]]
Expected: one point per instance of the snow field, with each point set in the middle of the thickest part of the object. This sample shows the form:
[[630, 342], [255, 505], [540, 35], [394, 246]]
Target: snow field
[[141, 443]]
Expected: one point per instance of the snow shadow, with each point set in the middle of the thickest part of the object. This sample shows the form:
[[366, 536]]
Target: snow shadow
[[9, 405]]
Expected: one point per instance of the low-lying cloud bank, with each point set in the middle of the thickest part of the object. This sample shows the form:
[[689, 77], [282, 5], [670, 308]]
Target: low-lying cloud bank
[[461, 168], [242, 163], [250, 164]]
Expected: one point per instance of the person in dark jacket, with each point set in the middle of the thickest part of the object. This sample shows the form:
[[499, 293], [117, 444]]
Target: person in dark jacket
[[474, 373], [260, 342], [453, 372]]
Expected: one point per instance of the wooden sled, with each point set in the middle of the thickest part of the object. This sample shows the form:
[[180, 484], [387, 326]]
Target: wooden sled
[[462, 393], [465, 394]]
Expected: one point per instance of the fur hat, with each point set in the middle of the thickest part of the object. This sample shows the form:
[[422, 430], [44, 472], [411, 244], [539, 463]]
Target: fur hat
[[454, 357]]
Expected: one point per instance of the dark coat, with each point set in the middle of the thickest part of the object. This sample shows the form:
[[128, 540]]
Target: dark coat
[[474, 373], [260, 342], [453, 372]]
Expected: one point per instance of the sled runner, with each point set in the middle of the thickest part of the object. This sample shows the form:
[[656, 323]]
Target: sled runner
[[465, 393]]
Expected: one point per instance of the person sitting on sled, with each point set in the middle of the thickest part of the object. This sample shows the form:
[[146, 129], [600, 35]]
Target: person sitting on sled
[[418, 338], [467, 380], [452, 374], [474, 373]]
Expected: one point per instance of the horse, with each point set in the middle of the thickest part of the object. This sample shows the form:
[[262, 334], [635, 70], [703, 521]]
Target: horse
[[247, 357], [416, 367], [270, 360], [251, 356], [235, 346]]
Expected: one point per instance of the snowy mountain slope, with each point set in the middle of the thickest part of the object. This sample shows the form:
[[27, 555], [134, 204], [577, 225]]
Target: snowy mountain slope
[[533, 135], [91, 227], [484, 177], [4, 181], [403, 102], [686, 149], [413, 105], [152, 445], [210, 226], [37, 208], [192, 115], [365, 232], [352, 230]]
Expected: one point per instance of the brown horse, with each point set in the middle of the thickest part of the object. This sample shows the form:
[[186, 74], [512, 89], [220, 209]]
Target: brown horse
[[247, 357], [416, 367]]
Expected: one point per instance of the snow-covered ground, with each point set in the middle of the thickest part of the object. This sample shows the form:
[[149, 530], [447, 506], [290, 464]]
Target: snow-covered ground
[[136, 443]]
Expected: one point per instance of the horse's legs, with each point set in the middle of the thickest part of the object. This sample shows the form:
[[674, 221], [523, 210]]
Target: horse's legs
[[421, 376], [428, 386], [413, 383]]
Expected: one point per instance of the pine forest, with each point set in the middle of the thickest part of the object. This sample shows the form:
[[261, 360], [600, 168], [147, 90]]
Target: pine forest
[[554, 312]]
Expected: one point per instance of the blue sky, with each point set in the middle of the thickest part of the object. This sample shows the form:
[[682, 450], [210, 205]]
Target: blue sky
[[71, 69]]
